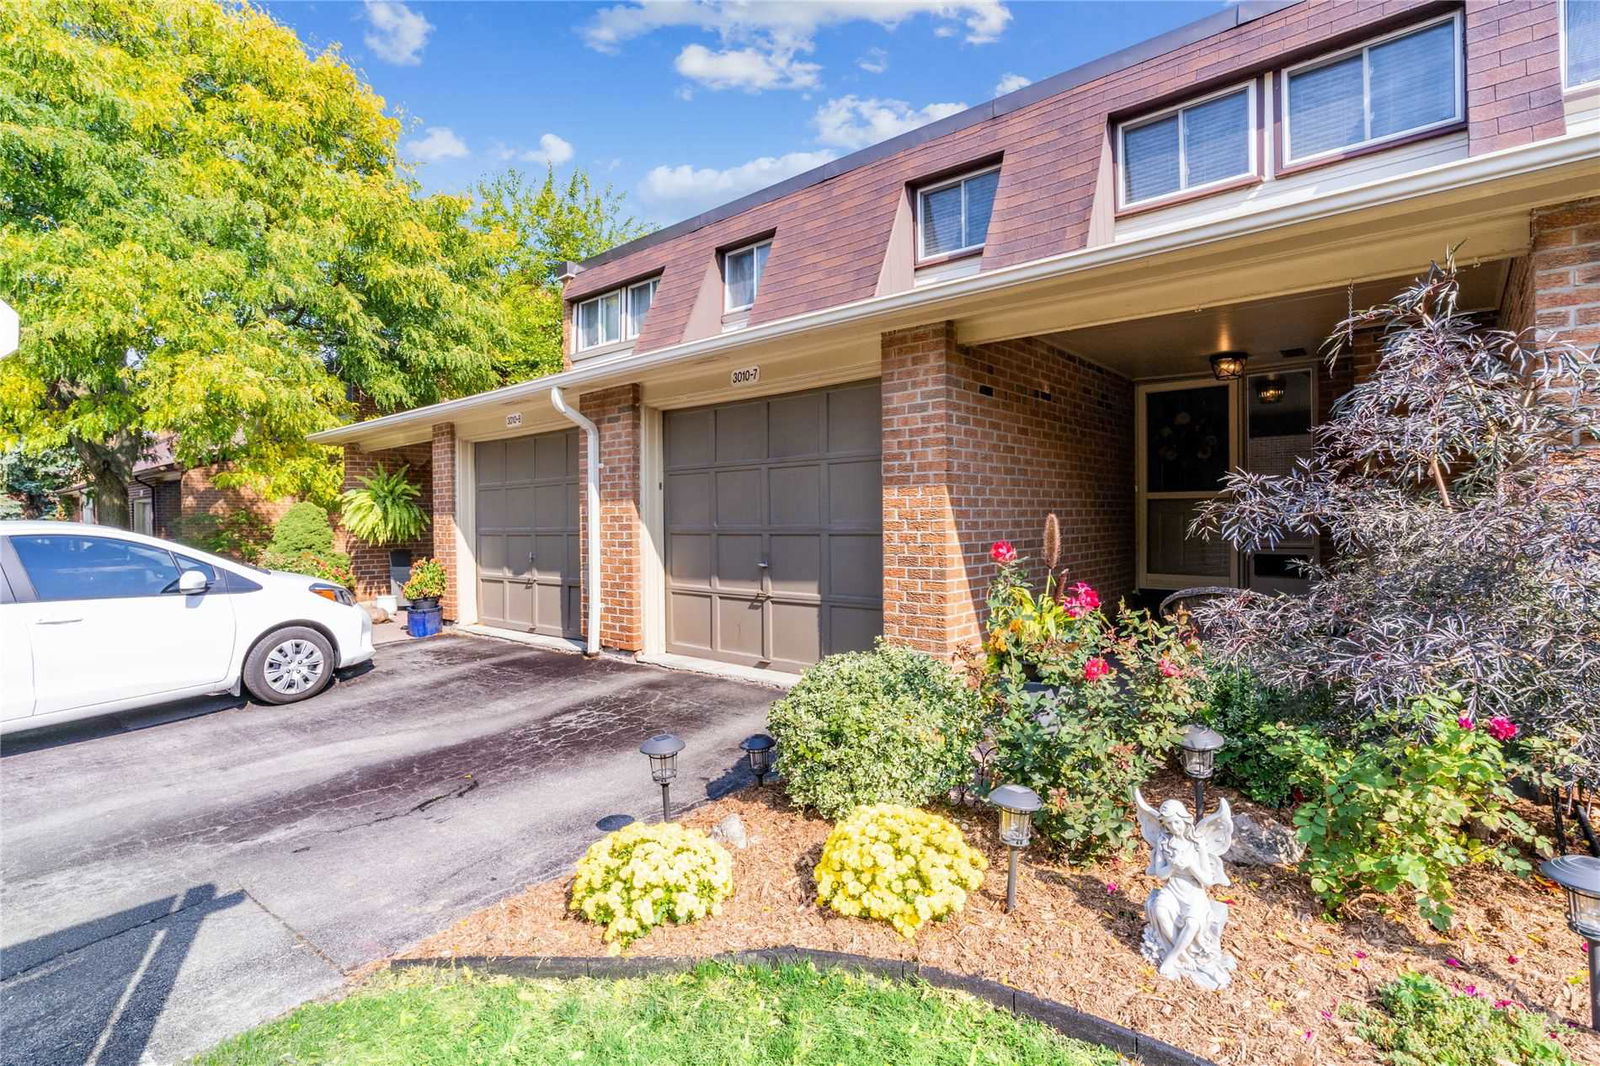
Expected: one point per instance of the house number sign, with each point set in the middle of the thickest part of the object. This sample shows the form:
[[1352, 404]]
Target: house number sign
[[514, 419], [747, 375]]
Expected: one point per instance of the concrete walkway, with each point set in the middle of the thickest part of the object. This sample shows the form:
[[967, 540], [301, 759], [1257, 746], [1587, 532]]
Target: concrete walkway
[[173, 877]]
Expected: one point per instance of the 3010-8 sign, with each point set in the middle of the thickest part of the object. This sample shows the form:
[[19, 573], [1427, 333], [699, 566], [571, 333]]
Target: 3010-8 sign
[[747, 375]]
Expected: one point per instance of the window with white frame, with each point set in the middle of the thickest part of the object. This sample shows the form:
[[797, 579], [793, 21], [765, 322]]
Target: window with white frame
[[1193, 146], [741, 275], [953, 215], [614, 316], [1408, 82], [1580, 42]]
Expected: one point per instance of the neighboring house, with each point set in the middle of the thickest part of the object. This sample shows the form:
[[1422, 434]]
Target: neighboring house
[[819, 404], [163, 494]]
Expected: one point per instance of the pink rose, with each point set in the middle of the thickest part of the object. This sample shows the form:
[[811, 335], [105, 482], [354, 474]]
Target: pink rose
[[1465, 722], [1095, 669], [1080, 600], [1169, 668], [1502, 728], [1002, 552]]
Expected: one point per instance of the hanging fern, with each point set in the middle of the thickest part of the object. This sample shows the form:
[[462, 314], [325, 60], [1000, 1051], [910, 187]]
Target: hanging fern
[[385, 509]]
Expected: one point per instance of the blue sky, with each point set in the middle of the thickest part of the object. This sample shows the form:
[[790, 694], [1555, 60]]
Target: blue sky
[[684, 105]]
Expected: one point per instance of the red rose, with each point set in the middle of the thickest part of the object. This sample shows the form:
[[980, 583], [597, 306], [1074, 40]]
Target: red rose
[[1169, 668], [1080, 600], [1095, 669], [1501, 728], [1002, 552]]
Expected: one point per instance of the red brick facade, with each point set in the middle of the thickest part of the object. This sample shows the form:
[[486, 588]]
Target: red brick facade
[[444, 511], [1566, 271], [617, 414], [1513, 73], [981, 443], [370, 561]]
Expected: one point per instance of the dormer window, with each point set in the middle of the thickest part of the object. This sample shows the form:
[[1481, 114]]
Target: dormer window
[[1201, 144], [953, 216], [742, 269], [1395, 87], [616, 316]]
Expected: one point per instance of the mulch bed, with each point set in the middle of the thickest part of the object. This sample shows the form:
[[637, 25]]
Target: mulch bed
[[1075, 939]]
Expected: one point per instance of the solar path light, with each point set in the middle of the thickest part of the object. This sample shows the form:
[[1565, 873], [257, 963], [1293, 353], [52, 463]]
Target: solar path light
[[1016, 805], [759, 750], [1580, 876], [663, 751], [1199, 756]]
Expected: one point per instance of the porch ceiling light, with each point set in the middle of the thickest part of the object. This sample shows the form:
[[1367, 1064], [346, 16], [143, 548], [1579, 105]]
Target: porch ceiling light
[[758, 749], [1580, 876], [1228, 365], [1269, 389]]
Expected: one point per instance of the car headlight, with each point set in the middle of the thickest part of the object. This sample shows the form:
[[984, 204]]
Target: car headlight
[[336, 593]]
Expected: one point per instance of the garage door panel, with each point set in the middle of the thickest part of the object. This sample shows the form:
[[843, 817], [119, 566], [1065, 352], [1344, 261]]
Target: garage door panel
[[490, 462], [689, 439], [548, 601], [552, 458], [855, 566], [794, 425], [549, 507], [691, 620], [520, 453], [491, 509], [855, 494], [574, 559], [492, 555], [739, 627], [855, 419], [689, 559], [689, 500], [797, 632], [550, 555], [739, 494], [853, 628], [741, 433], [738, 562], [796, 565], [517, 564], [794, 495]]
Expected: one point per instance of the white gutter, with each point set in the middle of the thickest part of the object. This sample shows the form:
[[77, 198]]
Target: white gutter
[[591, 532], [1446, 177]]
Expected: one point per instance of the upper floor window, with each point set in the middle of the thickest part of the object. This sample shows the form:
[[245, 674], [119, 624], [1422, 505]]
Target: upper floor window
[[1580, 42], [1193, 146], [1398, 85], [953, 216], [741, 275], [615, 316]]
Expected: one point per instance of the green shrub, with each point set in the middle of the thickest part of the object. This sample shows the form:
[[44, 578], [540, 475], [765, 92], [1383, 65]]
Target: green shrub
[[887, 726], [641, 875], [1396, 808], [333, 566], [898, 865], [239, 534], [1422, 1023], [1243, 709], [384, 510], [303, 528]]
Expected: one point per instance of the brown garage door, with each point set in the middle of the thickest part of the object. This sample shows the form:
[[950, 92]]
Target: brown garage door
[[774, 521], [527, 533]]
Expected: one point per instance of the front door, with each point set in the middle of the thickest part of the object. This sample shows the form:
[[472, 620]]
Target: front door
[[1186, 433]]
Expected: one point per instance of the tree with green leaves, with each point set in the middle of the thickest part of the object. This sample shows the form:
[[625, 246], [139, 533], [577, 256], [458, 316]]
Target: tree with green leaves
[[550, 223], [207, 231], [31, 481]]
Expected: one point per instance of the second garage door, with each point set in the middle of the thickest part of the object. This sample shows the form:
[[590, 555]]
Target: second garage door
[[527, 533], [774, 523]]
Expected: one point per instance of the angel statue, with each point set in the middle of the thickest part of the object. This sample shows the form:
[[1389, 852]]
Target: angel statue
[[1183, 927]]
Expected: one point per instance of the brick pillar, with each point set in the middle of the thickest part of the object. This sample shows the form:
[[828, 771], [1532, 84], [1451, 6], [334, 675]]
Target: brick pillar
[[926, 601], [616, 412], [1565, 296], [444, 512]]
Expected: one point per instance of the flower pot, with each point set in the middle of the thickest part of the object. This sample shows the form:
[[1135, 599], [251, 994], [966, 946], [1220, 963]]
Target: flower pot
[[389, 605], [423, 623], [424, 603]]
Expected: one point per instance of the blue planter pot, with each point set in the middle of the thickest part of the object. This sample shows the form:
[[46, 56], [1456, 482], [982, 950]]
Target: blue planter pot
[[424, 623]]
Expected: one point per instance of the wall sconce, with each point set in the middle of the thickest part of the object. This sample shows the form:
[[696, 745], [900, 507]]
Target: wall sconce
[[1226, 366]]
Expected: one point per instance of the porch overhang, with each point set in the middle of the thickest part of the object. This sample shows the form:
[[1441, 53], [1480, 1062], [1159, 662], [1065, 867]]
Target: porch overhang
[[1365, 232]]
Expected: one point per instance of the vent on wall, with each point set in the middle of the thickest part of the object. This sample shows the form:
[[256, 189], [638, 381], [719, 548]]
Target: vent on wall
[[1292, 353], [985, 390]]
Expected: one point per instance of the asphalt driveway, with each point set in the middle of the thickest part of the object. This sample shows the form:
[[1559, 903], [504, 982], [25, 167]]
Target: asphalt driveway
[[170, 878]]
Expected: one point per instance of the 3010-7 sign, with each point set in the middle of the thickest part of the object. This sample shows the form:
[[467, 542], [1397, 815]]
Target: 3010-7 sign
[[747, 375]]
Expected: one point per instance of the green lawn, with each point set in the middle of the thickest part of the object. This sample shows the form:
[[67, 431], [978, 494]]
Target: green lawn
[[718, 1014]]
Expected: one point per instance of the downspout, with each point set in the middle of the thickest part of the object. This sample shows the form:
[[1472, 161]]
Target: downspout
[[591, 489]]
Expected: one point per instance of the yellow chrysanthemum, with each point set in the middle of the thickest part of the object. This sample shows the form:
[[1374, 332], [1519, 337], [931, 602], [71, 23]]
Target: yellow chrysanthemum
[[897, 864]]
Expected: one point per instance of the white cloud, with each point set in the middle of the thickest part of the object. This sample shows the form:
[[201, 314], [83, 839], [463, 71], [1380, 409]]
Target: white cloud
[[552, 151], [855, 122], [689, 189], [441, 142], [1010, 83], [398, 33], [876, 61], [745, 68], [777, 31]]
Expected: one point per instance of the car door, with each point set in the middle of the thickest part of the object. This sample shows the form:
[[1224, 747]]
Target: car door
[[16, 654], [108, 623]]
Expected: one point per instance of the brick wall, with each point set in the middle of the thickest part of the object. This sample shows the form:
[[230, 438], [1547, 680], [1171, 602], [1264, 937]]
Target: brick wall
[[1513, 73], [199, 494], [616, 413], [444, 511], [980, 444], [1566, 271], [371, 562]]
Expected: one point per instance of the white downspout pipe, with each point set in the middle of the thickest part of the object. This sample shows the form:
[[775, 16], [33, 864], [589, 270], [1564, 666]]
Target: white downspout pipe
[[591, 489]]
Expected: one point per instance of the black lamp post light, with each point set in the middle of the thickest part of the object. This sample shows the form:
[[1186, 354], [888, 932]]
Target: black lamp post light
[[760, 750], [663, 751], [1016, 805], [1199, 756], [1580, 876]]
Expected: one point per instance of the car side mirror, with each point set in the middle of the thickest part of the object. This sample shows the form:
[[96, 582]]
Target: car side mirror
[[192, 583]]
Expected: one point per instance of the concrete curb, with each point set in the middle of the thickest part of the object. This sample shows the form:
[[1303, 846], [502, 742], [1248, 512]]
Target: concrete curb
[[1064, 1019]]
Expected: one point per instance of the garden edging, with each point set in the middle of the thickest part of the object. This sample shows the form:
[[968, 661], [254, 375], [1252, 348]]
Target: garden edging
[[1060, 1017]]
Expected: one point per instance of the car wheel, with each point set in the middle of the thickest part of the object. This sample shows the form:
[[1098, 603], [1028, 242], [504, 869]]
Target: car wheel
[[289, 665]]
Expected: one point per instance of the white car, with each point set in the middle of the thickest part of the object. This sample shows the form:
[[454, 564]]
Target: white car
[[95, 620]]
